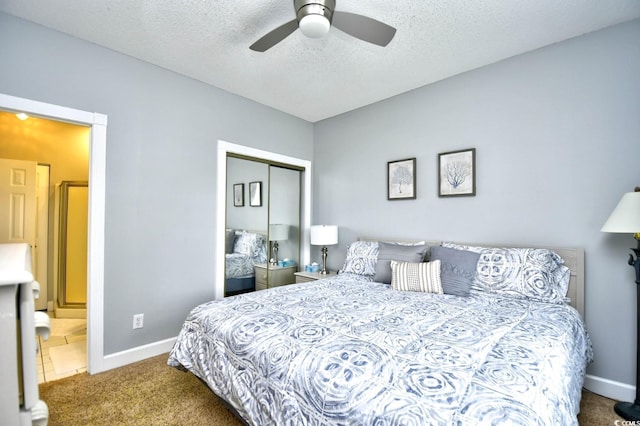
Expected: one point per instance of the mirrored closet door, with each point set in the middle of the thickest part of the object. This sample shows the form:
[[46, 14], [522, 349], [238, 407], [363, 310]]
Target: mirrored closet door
[[262, 244]]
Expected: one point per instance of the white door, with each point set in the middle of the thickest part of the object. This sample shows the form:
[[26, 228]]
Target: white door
[[18, 201]]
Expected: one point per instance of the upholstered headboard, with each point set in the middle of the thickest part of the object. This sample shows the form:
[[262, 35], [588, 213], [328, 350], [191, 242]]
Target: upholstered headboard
[[573, 259]]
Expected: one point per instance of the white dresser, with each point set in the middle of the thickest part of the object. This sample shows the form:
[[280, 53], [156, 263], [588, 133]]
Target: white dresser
[[19, 400]]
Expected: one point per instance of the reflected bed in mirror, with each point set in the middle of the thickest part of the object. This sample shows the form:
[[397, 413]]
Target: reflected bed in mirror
[[244, 249]]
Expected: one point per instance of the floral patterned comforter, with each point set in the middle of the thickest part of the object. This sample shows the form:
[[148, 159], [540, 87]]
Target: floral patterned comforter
[[238, 265], [340, 351]]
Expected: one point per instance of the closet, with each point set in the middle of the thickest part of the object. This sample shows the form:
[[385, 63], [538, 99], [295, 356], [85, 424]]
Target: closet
[[264, 197]]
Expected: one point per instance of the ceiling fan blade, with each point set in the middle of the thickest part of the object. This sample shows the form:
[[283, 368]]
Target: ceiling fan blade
[[366, 29], [274, 37]]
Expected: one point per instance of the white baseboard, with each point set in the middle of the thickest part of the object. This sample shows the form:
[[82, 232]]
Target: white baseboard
[[609, 388], [139, 353]]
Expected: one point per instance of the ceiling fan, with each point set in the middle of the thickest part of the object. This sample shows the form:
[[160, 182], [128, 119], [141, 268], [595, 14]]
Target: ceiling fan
[[314, 18]]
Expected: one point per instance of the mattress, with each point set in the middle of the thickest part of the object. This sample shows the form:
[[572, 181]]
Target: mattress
[[342, 351]]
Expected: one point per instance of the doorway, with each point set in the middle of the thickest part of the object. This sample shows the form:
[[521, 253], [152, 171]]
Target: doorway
[[97, 123], [49, 152], [28, 144]]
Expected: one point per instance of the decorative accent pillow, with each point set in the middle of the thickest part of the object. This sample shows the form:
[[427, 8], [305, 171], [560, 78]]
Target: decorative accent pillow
[[250, 244], [230, 239], [399, 252], [529, 273], [475, 249], [361, 258], [457, 270], [423, 276]]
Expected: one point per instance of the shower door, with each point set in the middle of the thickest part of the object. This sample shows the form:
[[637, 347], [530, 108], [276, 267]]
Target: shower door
[[72, 244]]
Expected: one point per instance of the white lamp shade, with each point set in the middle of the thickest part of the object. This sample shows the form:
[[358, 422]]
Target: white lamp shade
[[324, 235], [626, 216], [314, 26], [278, 232]]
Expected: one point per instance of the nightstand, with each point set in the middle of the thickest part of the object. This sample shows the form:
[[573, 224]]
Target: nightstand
[[277, 275], [303, 277]]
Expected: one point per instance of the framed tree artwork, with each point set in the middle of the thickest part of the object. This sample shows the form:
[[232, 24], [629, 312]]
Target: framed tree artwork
[[238, 195], [457, 173], [401, 179]]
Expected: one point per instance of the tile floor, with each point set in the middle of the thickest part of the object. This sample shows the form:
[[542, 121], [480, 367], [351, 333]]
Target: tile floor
[[69, 337]]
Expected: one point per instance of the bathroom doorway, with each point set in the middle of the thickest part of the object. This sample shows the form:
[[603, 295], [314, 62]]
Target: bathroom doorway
[[52, 153]]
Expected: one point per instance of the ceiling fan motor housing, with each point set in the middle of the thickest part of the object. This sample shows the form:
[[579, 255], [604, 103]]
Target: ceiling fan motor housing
[[314, 17]]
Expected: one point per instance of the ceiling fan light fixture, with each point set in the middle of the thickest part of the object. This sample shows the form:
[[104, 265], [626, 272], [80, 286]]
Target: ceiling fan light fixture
[[314, 18], [314, 26]]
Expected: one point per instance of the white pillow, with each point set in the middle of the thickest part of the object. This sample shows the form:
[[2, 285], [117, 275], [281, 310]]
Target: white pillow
[[361, 258], [423, 276], [526, 273], [248, 243]]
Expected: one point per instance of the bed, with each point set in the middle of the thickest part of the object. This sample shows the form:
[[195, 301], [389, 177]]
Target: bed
[[353, 349], [243, 250]]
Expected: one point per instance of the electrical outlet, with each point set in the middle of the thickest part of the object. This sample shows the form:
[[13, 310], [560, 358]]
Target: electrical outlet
[[138, 321]]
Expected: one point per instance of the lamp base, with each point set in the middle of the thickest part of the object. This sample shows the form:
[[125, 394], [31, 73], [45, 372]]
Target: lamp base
[[627, 410], [323, 271]]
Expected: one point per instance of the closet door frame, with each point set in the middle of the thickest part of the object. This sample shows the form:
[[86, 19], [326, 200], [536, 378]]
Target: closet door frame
[[225, 148]]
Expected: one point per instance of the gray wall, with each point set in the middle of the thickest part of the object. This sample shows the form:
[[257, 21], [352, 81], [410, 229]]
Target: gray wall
[[160, 172], [557, 133]]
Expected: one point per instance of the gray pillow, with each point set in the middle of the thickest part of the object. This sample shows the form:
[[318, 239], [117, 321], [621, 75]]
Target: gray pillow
[[398, 252], [230, 239], [457, 269]]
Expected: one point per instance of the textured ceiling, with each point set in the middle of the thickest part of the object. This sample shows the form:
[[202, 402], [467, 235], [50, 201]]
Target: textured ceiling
[[319, 78]]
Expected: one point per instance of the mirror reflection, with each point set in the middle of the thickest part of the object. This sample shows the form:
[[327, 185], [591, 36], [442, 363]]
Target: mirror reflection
[[262, 244]]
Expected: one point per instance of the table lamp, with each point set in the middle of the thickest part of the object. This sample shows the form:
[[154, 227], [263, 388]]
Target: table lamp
[[626, 219], [277, 232], [324, 235]]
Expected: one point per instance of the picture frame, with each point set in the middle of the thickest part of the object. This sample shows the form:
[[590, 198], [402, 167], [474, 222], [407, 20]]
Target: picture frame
[[238, 195], [457, 173], [401, 179], [255, 194]]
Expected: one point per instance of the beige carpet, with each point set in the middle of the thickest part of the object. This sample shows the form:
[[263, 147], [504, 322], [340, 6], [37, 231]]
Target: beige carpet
[[596, 410], [145, 393], [151, 393]]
